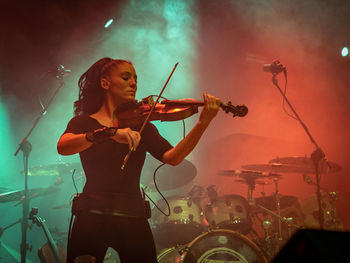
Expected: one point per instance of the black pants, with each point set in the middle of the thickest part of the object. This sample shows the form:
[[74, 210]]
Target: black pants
[[131, 237]]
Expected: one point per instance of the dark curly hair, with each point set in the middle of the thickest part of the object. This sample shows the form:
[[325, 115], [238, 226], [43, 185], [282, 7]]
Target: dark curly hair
[[91, 94]]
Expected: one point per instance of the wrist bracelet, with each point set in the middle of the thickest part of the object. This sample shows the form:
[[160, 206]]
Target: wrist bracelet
[[89, 136]]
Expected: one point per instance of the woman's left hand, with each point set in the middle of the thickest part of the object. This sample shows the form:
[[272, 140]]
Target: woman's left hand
[[211, 108]]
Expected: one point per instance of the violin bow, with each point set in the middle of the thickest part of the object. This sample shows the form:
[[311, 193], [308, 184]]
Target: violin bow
[[126, 158]]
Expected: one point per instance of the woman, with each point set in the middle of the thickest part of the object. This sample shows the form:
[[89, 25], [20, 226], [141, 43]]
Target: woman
[[111, 211]]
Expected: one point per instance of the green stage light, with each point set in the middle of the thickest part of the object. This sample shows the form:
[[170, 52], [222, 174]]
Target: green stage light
[[109, 23], [344, 51]]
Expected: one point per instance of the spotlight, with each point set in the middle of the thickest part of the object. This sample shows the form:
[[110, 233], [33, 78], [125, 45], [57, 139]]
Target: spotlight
[[109, 23], [344, 51]]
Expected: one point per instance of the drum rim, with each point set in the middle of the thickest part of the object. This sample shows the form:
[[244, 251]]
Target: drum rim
[[165, 252], [254, 246]]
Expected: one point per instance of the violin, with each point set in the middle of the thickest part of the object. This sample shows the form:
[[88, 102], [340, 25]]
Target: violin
[[148, 110], [134, 113]]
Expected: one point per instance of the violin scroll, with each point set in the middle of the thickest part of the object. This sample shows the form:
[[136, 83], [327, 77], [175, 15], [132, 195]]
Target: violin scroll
[[238, 110]]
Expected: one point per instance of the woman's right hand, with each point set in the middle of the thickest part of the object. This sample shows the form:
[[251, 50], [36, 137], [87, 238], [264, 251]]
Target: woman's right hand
[[128, 136]]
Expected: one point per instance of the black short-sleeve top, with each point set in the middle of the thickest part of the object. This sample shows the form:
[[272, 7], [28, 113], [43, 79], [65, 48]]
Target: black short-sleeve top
[[102, 162]]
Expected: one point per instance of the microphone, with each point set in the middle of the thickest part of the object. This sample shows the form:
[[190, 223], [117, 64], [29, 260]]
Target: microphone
[[275, 67], [60, 70]]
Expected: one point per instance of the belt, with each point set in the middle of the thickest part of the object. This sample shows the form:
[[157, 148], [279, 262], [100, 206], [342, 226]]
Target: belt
[[125, 205]]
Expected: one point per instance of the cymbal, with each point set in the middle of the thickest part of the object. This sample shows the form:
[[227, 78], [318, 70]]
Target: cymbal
[[4, 190], [249, 174], [275, 168], [167, 177], [269, 202], [17, 195], [54, 169], [307, 164]]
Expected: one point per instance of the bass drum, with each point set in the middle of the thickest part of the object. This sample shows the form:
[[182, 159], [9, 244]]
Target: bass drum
[[229, 212], [219, 245]]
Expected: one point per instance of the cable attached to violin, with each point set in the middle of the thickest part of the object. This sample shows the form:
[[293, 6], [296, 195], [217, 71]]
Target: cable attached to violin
[[156, 186], [126, 158]]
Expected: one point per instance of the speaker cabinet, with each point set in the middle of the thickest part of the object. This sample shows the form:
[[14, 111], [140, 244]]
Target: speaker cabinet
[[311, 245]]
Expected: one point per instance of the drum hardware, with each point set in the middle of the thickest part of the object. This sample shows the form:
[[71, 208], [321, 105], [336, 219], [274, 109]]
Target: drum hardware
[[310, 209], [196, 194], [2, 229], [26, 147], [268, 244], [278, 205], [250, 177], [328, 201], [50, 252], [257, 182]]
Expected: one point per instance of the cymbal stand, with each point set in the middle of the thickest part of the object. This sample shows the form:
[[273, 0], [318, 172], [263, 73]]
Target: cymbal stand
[[251, 188], [2, 229], [334, 215], [278, 206], [26, 147], [317, 155]]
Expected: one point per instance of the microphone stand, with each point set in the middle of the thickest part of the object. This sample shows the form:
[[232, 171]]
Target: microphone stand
[[26, 147], [318, 154]]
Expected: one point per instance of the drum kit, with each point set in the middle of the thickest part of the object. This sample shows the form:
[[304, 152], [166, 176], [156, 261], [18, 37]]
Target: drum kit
[[206, 227]]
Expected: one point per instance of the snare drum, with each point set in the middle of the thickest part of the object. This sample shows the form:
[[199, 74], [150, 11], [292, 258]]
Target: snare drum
[[229, 212], [220, 245], [183, 224]]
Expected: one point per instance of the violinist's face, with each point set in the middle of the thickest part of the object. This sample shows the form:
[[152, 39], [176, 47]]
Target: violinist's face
[[121, 84]]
